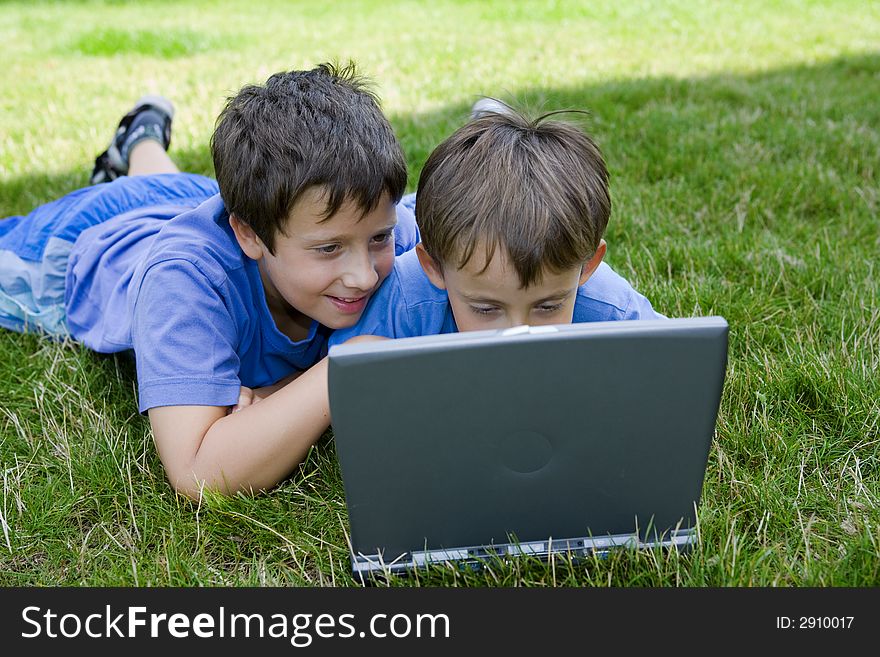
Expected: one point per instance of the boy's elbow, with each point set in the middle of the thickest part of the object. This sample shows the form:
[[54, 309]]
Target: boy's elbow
[[187, 486], [194, 488]]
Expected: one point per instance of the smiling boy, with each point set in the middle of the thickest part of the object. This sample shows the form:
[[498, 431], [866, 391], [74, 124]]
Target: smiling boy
[[322, 269], [512, 214], [226, 291]]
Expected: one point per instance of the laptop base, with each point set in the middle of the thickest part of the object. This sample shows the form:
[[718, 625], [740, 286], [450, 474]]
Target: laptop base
[[365, 567]]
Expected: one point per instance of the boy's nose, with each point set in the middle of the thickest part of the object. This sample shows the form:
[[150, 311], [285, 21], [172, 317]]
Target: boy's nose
[[516, 318], [360, 274]]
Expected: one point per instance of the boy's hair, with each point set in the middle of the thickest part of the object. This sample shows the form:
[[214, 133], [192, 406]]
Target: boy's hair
[[536, 188], [320, 127]]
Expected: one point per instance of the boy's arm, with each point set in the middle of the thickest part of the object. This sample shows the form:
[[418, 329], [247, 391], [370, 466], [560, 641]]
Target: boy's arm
[[185, 341], [250, 450], [248, 396]]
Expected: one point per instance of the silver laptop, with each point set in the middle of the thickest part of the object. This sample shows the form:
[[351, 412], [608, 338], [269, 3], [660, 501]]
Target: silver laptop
[[526, 441]]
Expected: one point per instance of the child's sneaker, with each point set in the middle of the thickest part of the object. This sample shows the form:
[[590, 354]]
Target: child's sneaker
[[488, 106], [150, 118]]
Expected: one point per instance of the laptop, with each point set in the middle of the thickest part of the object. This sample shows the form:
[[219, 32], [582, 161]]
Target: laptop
[[543, 440]]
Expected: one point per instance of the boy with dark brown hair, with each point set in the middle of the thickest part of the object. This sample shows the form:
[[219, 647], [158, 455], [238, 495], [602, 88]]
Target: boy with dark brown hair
[[225, 294]]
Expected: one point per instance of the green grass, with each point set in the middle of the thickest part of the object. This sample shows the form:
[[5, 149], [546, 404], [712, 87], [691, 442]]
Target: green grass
[[743, 143], [111, 42]]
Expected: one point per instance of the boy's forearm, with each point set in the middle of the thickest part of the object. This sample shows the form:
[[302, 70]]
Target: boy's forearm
[[265, 391], [258, 446]]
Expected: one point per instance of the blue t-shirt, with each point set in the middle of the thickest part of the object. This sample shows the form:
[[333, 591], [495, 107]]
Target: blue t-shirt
[[35, 248], [178, 290], [408, 305]]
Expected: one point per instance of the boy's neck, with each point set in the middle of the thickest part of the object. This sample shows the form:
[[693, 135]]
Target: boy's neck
[[288, 320], [294, 327]]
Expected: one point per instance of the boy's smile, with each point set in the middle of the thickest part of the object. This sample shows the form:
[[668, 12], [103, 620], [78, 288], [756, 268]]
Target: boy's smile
[[349, 306], [490, 296], [324, 269]]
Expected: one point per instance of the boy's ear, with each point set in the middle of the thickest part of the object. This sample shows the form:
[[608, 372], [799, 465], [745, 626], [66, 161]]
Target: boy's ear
[[247, 239], [432, 268], [591, 265]]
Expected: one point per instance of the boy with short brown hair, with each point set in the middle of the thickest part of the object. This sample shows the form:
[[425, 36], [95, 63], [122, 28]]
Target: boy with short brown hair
[[511, 213]]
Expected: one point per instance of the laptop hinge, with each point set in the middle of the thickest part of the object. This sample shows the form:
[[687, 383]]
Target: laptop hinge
[[576, 547]]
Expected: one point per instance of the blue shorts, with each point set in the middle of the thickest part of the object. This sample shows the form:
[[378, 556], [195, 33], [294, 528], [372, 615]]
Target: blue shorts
[[35, 248]]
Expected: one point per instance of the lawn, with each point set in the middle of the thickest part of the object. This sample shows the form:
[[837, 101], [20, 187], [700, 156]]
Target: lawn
[[743, 141]]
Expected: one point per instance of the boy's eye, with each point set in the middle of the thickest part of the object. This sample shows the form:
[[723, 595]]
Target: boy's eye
[[550, 307], [383, 238], [484, 310], [329, 249]]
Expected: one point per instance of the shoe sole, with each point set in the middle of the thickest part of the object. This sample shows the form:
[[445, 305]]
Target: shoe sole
[[159, 102], [488, 105]]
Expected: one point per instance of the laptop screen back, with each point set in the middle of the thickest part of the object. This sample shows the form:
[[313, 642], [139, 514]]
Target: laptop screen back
[[527, 434]]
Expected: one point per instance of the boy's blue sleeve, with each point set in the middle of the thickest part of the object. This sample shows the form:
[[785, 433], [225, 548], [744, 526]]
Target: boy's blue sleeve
[[406, 232], [184, 339], [640, 308], [607, 296]]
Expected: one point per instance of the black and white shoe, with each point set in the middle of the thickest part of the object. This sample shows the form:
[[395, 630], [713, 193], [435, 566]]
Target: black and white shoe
[[487, 105], [150, 118]]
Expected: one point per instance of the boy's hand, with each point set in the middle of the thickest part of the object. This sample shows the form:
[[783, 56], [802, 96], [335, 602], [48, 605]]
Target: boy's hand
[[249, 396], [364, 338], [246, 397]]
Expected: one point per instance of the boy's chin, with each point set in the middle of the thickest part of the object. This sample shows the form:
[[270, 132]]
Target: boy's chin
[[343, 322]]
